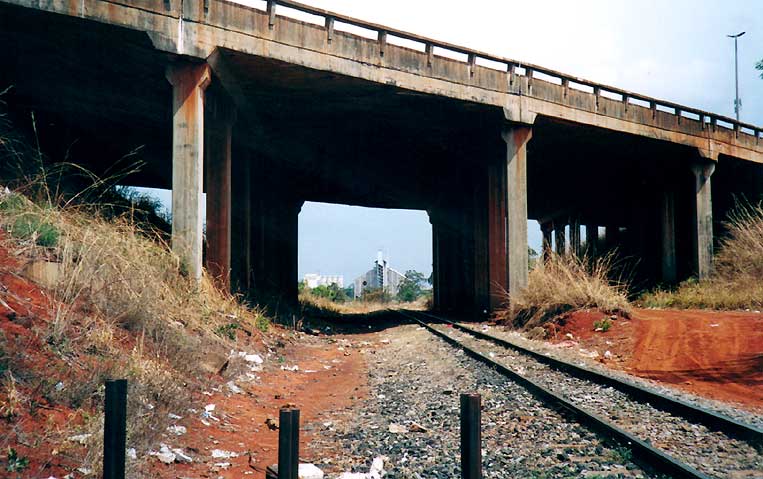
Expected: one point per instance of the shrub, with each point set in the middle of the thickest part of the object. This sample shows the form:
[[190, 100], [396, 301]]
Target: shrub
[[564, 283]]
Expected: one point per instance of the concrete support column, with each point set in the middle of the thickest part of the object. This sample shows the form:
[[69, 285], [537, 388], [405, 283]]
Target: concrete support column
[[188, 84], [496, 230], [591, 240], [220, 115], [516, 139], [560, 237], [611, 237], [241, 223], [547, 229], [669, 265], [436, 285], [291, 277], [575, 248], [702, 232]]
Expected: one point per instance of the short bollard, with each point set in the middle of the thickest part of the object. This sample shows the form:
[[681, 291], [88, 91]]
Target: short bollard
[[115, 429], [471, 436], [288, 444]]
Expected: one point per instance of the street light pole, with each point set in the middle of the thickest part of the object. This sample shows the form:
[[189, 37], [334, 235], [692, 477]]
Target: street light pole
[[737, 104]]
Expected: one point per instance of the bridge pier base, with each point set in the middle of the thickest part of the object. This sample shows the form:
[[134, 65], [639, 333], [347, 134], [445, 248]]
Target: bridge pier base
[[188, 84], [702, 230]]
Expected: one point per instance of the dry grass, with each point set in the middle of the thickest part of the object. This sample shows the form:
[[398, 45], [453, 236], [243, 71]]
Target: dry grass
[[565, 283], [312, 304], [119, 287], [737, 279]]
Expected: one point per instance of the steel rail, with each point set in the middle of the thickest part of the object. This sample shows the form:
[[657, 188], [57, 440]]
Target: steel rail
[[711, 419], [643, 453]]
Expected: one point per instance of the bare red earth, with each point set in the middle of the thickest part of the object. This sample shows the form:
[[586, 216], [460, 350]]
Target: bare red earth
[[714, 354], [38, 430], [316, 394]]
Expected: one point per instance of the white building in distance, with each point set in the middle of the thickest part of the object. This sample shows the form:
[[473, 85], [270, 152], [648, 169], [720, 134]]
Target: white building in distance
[[381, 276], [313, 280]]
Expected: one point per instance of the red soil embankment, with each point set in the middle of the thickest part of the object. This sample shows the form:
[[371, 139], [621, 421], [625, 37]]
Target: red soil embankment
[[714, 354]]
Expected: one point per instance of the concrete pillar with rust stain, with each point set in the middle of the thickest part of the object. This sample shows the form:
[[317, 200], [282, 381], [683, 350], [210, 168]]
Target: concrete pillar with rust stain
[[547, 229], [702, 230], [496, 230], [220, 116], [188, 84], [517, 138], [668, 263], [507, 216], [591, 240], [560, 237]]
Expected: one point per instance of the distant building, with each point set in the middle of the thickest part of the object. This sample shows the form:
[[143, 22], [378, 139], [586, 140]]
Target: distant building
[[381, 276], [314, 280]]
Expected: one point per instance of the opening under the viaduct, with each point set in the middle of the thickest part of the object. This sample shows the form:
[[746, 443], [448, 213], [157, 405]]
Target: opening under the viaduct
[[343, 243]]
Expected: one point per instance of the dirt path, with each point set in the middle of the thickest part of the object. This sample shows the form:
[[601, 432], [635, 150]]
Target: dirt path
[[714, 354], [330, 377]]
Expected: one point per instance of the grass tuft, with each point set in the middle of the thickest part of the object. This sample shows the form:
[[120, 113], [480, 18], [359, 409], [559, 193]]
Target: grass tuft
[[566, 283]]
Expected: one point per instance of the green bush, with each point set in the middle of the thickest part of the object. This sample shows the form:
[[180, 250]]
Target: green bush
[[29, 225]]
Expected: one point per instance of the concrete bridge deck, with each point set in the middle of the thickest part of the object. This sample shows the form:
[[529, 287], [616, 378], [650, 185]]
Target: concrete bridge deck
[[271, 111]]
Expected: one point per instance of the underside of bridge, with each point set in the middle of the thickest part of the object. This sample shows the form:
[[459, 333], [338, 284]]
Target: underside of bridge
[[261, 137]]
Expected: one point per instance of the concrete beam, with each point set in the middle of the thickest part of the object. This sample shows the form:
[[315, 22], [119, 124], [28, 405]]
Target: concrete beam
[[516, 138], [220, 116], [702, 231], [668, 263], [188, 81]]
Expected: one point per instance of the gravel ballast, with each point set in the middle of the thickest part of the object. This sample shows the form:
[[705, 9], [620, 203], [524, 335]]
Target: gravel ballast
[[415, 381], [710, 452]]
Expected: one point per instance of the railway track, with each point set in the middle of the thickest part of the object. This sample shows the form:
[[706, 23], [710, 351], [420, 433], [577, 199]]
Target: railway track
[[667, 435]]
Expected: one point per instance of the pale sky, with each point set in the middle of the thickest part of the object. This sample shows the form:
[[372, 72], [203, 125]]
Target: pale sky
[[675, 50]]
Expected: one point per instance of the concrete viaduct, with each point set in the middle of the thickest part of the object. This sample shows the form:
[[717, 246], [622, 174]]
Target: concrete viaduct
[[264, 111]]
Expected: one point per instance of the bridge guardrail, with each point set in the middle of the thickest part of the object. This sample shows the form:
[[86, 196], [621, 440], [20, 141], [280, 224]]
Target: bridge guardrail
[[516, 68]]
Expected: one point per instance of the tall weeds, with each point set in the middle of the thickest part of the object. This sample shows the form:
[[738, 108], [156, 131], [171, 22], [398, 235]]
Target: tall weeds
[[736, 282], [564, 283]]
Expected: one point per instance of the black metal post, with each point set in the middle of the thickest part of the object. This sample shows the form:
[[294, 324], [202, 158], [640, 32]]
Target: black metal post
[[288, 444], [115, 429], [471, 436]]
